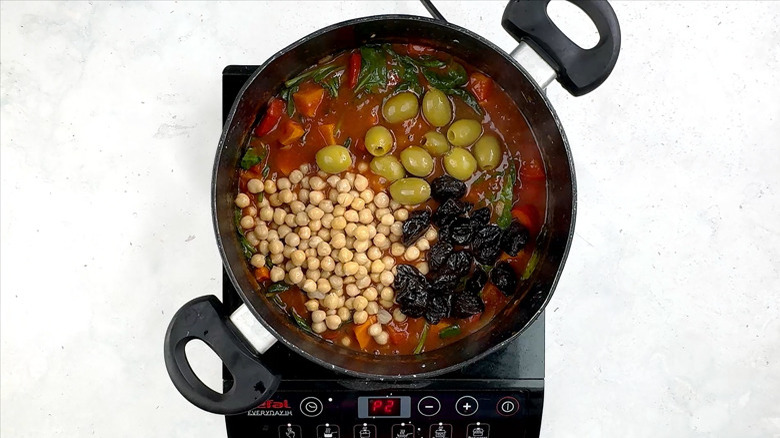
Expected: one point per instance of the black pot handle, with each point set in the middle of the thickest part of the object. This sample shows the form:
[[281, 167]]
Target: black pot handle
[[203, 318], [579, 71]]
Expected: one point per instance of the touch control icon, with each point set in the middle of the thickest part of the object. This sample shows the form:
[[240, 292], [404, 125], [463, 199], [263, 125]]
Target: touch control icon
[[441, 430], [365, 431], [429, 406], [328, 431], [403, 430], [478, 430], [507, 406], [466, 405], [290, 431], [311, 406]]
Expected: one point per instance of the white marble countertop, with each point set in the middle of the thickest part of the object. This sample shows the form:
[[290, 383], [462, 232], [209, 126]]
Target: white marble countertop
[[666, 321]]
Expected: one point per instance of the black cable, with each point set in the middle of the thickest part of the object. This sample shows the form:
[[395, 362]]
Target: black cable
[[433, 11]]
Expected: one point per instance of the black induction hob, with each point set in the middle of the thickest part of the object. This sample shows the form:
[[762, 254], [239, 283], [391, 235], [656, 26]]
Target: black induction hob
[[500, 396]]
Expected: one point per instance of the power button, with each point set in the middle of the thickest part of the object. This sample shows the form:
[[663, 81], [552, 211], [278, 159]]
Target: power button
[[507, 406], [311, 406]]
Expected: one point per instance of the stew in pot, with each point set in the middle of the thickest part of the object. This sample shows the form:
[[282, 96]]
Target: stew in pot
[[389, 199]]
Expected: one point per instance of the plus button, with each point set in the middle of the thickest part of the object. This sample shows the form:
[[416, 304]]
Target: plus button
[[467, 406]]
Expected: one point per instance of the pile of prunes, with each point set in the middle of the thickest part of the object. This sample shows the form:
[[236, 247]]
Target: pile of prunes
[[453, 284]]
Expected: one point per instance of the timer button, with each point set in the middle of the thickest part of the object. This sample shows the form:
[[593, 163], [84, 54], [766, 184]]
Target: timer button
[[311, 406], [429, 406], [466, 406], [508, 406]]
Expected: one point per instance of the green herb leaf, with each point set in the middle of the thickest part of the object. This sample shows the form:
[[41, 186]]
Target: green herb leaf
[[428, 61], [277, 288], [268, 263], [332, 86], [317, 74], [278, 300], [289, 98], [347, 142], [251, 158], [467, 97], [451, 78], [300, 321], [529, 268], [448, 332], [246, 247], [266, 170], [506, 196], [373, 72], [421, 343], [487, 268]]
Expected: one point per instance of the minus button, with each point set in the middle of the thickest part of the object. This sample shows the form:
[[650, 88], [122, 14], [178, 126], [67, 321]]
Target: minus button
[[429, 406]]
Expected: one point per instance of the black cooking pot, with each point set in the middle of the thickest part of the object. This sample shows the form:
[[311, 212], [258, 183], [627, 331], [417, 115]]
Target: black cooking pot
[[237, 339]]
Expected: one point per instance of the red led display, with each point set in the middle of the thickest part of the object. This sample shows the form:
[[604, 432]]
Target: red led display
[[384, 407]]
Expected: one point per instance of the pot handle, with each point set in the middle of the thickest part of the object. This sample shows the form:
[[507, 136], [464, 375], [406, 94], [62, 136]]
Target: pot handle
[[579, 71], [204, 318]]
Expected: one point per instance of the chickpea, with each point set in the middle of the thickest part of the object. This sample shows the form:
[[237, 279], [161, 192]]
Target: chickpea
[[361, 245], [247, 222], [331, 300], [296, 275], [339, 223], [263, 247], [367, 195], [351, 268], [313, 274], [381, 241], [277, 258], [352, 290], [277, 274], [333, 159], [328, 264], [350, 229], [327, 220], [388, 261], [251, 238], [283, 183], [397, 228], [374, 253], [257, 260], [397, 249], [309, 286], [387, 219], [289, 220], [242, 200], [412, 253], [270, 186], [338, 240], [423, 244], [372, 308], [279, 215], [274, 200], [323, 249], [377, 267], [387, 294], [303, 195], [287, 252], [370, 294], [266, 214], [304, 233], [360, 317], [333, 322], [375, 329], [276, 247], [398, 315], [319, 327], [316, 183], [361, 259], [431, 234], [386, 278], [315, 197], [312, 305], [363, 282], [361, 233], [318, 316], [366, 217], [352, 215], [343, 314], [292, 239], [336, 282]]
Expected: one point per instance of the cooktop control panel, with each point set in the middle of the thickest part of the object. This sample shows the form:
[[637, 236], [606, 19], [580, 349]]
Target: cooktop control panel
[[396, 414]]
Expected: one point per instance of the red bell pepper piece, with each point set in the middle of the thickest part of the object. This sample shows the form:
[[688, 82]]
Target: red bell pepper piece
[[481, 86], [272, 116], [527, 216], [353, 70]]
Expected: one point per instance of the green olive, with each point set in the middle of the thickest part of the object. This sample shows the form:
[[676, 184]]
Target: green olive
[[379, 140], [388, 167], [436, 107], [436, 143], [410, 191], [417, 161], [402, 106], [487, 151], [334, 159], [460, 164], [464, 132]]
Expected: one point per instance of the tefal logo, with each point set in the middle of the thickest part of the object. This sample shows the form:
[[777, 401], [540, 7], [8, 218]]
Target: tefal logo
[[272, 404]]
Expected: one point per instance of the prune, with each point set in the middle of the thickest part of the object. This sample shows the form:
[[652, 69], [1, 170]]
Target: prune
[[464, 305], [514, 239], [448, 211], [438, 307], [406, 275], [459, 263], [479, 218], [458, 232], [416, 225], [486, 244], [476, 282], [443, 284], [446, 187], [504, 277], [437, 255]]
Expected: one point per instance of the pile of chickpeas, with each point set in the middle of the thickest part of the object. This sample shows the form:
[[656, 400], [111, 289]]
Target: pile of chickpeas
[[334, 238]]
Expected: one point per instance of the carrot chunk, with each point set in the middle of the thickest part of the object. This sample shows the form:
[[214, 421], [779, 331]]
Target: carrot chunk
[[290, 131], [327, 132], [361, 332], [481, 86], [308, 100]]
